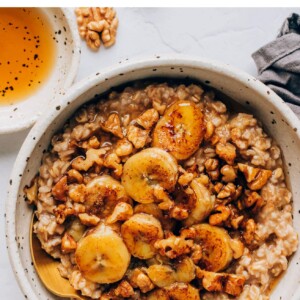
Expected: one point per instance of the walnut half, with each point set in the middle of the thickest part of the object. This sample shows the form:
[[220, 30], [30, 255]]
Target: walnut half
[[96, 24]]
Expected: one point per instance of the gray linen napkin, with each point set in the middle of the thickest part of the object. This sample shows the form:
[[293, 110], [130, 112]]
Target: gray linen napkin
[[278, 62]]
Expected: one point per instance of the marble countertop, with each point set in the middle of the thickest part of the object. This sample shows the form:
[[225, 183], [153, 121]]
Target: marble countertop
[[229, 35]]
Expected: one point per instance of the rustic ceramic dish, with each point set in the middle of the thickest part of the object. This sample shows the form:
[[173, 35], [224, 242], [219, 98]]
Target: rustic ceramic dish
[[23, 114], [277, 117]]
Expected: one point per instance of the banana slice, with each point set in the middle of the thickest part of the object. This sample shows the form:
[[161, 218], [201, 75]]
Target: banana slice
[[140, 233], [204, 203], [150, 169], [216, 249], [102, 194], [181, 129], [161, 275], [102, 256]]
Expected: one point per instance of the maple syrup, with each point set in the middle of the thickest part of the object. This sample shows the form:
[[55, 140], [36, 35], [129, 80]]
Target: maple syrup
[[27, 52]]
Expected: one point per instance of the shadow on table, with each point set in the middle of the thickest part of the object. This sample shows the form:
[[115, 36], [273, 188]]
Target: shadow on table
[[12, 142]]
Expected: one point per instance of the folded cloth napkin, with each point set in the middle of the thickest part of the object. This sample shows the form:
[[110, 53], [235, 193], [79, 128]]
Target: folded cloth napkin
[[278, 62]]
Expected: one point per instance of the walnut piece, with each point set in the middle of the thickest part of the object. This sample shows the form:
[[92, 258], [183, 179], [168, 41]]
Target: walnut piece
[[32, 192], [221, 282], [68, 244], [226, 152], [124, 289], [96, 24], [122, 212], [138, 279], [74, 176], [148, 118], [229, 173], [137, 136], [123, 147], [221, 214], [93, 156], [113, 161], [88, 220], [256, 178], [77, 192], [60, 190], [113, 125], [174, 246]]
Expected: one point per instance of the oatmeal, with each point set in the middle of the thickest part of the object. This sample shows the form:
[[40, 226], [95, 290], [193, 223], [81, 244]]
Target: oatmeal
[[160, 192]]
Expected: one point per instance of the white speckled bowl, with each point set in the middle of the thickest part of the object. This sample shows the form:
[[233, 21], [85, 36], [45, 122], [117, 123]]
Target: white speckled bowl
[[24, 113], [277, 117]]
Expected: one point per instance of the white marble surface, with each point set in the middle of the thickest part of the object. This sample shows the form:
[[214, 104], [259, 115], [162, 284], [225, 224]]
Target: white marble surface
[[228, 35]]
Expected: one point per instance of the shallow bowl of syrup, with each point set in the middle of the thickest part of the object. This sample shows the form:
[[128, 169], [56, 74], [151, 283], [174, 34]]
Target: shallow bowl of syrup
[[39, 57]]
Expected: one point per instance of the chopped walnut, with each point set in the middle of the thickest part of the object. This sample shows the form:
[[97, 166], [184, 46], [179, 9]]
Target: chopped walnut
[[185, 179], [210, 128], [92, 142], [229, 173], [174, 246], [93, 156], [139, 137], [226, 152], [237, 247], [256, 178], [221, 282], [124, 289], [88, 220], [77, 192], [62, 211], [138, 279], [122, 212], [32, 192], [220, 214], [68, 244], [211, 166], [179, 213], [227, 190], [248, 234], [123, 147], [113, 161], [96, 24], [251, 200], [166, 202], [74, 176], [60, 189], [159, 107], [113, 125], [148, 118]]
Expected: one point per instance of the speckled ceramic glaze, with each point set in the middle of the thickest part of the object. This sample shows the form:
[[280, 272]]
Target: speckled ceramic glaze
[[278, 119], [24, 113]]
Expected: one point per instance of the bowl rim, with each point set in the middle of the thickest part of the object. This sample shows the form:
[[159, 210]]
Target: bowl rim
[[164, 60], [69, 79]]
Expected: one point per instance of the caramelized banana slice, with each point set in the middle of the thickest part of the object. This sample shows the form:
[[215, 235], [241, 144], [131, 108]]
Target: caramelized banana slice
[[140, 233], [204, 203], [216, 249], [102, 194], [102, 256], [181, 129], [148, 170]]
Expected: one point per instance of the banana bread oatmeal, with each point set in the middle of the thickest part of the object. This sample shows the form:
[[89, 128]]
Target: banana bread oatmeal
[[160, 192]]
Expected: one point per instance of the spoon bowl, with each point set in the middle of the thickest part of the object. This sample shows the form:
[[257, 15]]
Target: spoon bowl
[[46, 268]]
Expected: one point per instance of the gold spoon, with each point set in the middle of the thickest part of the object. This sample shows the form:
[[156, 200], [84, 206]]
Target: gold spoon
[[46, 268]]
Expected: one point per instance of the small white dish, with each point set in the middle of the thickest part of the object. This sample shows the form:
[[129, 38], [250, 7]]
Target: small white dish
[[25, 113]]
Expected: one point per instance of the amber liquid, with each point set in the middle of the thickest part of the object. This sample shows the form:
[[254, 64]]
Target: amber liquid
[[27, 52]]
